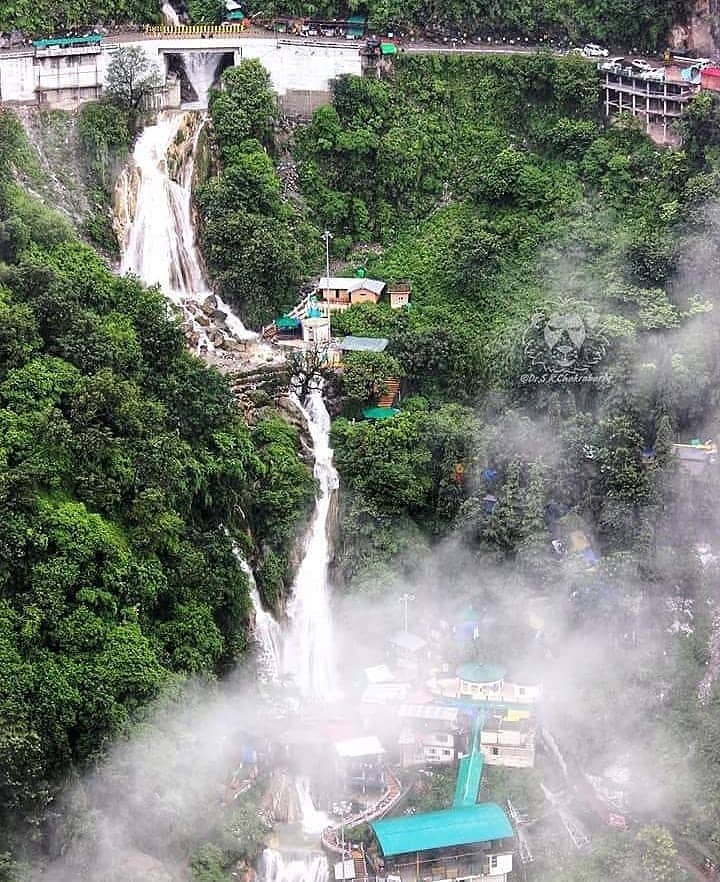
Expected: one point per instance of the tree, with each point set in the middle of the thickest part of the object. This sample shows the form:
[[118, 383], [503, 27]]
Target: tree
[[306, 367], [131, 77], [658, 854], [205, 11], [365, 375]]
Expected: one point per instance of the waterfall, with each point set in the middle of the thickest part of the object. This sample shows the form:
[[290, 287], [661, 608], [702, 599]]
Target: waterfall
[[201, 69], [274, 868], [267, 630], [160, 243], [313, 821], [160, 248], [309, 655], [171, 17]]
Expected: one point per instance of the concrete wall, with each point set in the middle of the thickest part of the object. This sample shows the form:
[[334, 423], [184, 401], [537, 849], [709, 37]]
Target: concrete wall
[[293, 67], [18, 76], [303, 102], [301, 71]]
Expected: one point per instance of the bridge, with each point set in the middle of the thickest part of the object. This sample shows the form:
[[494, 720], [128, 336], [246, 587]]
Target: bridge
[[65, 76]]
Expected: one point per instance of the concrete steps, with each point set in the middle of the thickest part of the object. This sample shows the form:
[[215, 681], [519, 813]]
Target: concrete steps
[[392, 387]]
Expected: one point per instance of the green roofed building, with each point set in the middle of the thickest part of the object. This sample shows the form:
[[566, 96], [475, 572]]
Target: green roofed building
[[469, 842], [287, 323]]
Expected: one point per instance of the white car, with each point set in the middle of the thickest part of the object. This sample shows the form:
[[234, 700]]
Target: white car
[[639, 64], [592, 50]]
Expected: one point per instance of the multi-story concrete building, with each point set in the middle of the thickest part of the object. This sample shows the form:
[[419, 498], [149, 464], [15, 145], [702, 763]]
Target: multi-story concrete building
[[431, 734], [508, 740], [658, 97]]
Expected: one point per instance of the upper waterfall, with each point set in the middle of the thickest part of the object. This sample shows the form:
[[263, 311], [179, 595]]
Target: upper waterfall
[[309, 654], [160, 246], [202, 70], [170, 15]]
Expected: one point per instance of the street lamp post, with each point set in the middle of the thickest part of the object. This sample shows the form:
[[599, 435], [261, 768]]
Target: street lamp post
[[405, 599], [327, 236]]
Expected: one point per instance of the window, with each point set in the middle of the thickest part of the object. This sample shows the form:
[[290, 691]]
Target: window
[[495, 751], [521, 690], [493, 861]]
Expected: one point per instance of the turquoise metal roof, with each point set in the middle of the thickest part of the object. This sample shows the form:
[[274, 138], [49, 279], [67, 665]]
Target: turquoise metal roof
[[474, 672], [463, 825]]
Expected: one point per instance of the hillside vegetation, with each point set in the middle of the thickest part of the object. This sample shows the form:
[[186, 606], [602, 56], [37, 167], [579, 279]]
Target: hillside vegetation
[[492, 186], [127, 473]]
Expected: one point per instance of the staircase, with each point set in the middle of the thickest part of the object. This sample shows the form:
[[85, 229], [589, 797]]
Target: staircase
[[392, 389], [269, 333]]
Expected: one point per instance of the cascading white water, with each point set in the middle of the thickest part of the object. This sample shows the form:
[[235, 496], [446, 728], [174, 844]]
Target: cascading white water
[[308, 651], [171, 17], [267, 630], [275, 868], [160, 247], [313, 820], [201, 69]]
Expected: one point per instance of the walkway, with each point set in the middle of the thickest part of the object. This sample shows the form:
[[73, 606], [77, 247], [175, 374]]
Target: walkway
[[391, 796]]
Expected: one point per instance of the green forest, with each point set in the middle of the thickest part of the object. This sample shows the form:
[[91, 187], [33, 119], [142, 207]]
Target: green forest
[[128, 477]]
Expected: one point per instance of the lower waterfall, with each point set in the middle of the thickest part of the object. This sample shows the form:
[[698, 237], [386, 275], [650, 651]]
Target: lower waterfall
[[276, 868], [313, 821], [267, 631], [309, 654], [159, 247]]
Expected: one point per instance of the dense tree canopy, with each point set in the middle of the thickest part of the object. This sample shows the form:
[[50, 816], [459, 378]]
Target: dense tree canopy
[[520, 219], [253, 240], [127, 471]]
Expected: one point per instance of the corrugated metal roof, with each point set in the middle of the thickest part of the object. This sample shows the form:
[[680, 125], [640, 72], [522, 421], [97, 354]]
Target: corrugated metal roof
[[385, 693], [363, 344], [465, 825], [429, 712], [473, 672], [379, 674], [380, 413], [352, 283]]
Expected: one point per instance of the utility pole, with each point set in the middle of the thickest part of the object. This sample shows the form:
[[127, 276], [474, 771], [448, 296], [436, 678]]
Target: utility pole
[[327, 236], [405, 599]]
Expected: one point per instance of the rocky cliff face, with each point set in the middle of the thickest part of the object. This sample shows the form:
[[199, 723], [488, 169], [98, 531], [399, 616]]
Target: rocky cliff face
[[701, 32], [55, 171]]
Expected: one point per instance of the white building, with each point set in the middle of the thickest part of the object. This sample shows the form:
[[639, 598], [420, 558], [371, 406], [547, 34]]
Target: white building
[[508, 740], [430, 734]]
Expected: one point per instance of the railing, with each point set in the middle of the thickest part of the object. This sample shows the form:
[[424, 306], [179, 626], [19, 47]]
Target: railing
[[390, 797], [194, 30]]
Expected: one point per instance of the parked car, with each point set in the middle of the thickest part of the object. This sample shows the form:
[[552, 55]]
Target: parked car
[[639, 64], [592, 50]]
